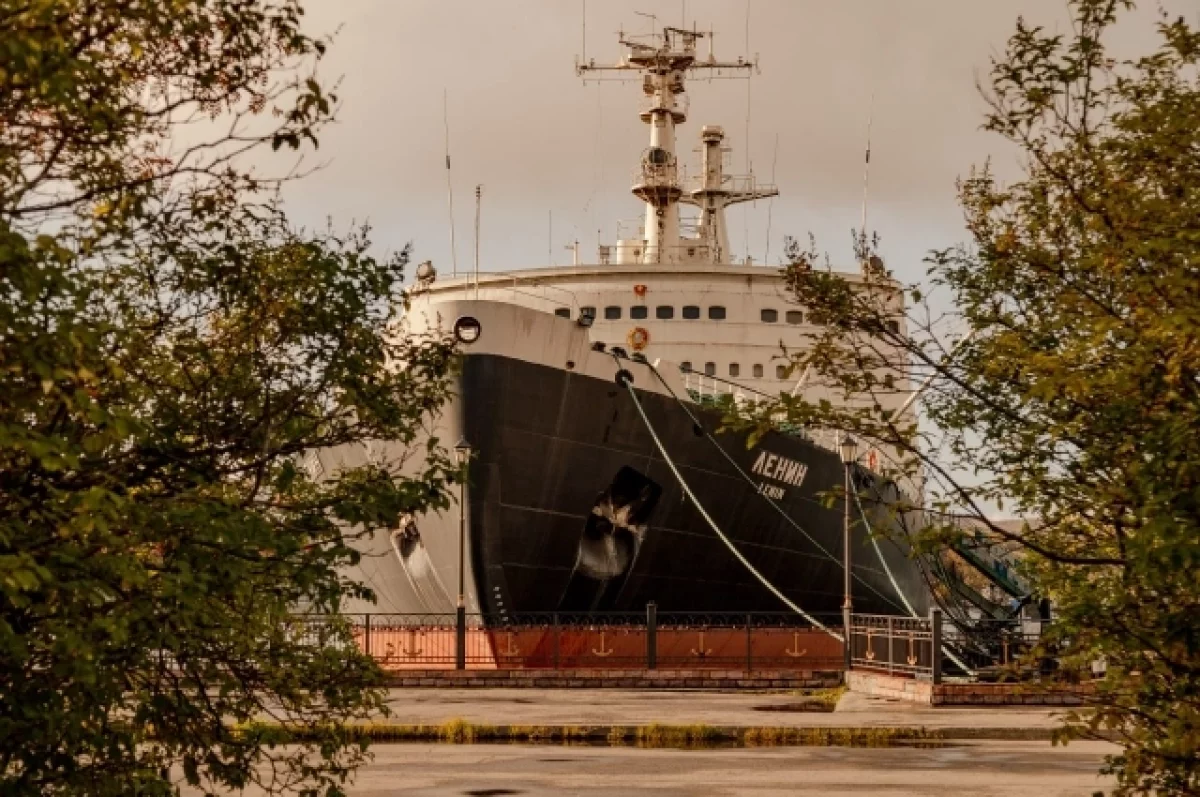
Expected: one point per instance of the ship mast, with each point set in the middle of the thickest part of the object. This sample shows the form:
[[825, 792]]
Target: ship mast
[[664, 59]]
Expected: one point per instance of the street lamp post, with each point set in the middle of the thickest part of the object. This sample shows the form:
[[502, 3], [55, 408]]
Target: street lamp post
[[462, 452], [848, 449]]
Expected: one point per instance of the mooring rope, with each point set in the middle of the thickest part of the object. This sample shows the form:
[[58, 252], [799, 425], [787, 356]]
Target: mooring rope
[[774, 505], [627, 382], [871, 534], [879, 552]]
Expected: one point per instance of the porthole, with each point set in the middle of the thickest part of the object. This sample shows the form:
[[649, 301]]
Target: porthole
[[638, 311], [612, 313], [781, 372], [735, 369], [795, 317], [758, 371], [686, 366], [691, 311], [716, 313], [710, 369], [769, 316], [563, 312], [664, 311]]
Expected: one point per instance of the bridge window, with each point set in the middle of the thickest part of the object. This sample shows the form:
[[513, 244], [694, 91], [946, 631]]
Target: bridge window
[[612, 313], [664, 311], [769, 316], [795, 317], [638, 311], [893, 327], [686, 366], [781, 372], [691, 311], [710, 369], [758, 371], [563, 312], [716, 312], [734, 369]]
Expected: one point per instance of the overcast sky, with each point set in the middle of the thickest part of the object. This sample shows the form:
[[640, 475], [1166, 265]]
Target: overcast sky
[[540, 141]]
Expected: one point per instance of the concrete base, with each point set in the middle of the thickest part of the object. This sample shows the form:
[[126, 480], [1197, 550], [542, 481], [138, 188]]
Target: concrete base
[[912, 690], [617, 679]]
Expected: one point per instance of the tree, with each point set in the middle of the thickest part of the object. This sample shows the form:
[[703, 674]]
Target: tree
[[170, 350], [1062, 382]]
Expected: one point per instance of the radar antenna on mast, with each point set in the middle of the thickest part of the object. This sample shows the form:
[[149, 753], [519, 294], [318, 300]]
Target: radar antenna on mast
[[663, 60], [864, 248]]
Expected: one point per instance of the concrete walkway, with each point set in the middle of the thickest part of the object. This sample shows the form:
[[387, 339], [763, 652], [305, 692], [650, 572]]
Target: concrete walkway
[[599, 707]]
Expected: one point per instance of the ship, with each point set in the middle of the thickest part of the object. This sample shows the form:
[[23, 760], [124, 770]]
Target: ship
[[591, 400]]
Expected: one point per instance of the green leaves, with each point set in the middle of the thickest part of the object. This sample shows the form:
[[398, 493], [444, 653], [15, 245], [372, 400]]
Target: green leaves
[[171, 352], [1064, 383]]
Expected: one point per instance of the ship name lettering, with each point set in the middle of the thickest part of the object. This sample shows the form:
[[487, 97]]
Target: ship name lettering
[[771, 491], [780, 468]]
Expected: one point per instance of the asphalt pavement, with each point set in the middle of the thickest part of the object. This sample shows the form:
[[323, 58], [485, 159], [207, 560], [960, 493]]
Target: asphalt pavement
[[968, 769]]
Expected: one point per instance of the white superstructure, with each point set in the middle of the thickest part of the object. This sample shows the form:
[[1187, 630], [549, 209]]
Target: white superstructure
[[672, 292]]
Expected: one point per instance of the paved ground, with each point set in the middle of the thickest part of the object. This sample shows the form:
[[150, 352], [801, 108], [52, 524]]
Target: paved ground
[[990, 768], [973, 769], [621, 707]]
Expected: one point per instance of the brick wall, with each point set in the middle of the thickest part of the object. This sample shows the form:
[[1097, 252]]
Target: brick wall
[[618, 679], [1011, 694]]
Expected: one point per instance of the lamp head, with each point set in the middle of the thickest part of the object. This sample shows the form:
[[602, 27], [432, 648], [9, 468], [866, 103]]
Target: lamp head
[[849, 449], [462, 450]]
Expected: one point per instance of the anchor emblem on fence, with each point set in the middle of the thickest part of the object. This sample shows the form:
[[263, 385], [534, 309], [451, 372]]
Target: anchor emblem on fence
[[412, 651], [912, 653], [870, 645], [703, 651], [601, 651], [512, 650], [794, 651]]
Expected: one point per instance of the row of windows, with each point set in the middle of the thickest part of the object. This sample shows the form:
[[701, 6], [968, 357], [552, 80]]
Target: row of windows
[[691, 312], [688, 311], [710, 369]]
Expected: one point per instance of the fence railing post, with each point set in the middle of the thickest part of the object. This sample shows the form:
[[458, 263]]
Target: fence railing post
[[367, 634], [749, 644], [651, 635], [891, 646], [460, 638], [935, 617], [847, 632], [554, 631]]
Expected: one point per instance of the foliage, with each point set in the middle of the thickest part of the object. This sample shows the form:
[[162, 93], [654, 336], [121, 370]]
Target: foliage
[[170, 349], [1063, 384]]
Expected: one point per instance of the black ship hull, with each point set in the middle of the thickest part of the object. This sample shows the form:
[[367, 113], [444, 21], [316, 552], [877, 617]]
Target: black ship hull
[[571, 507]]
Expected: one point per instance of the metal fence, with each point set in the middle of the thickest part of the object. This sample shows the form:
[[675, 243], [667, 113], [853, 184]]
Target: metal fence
[[611, 640], [897, 645], [926, 647], [988, 644]]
